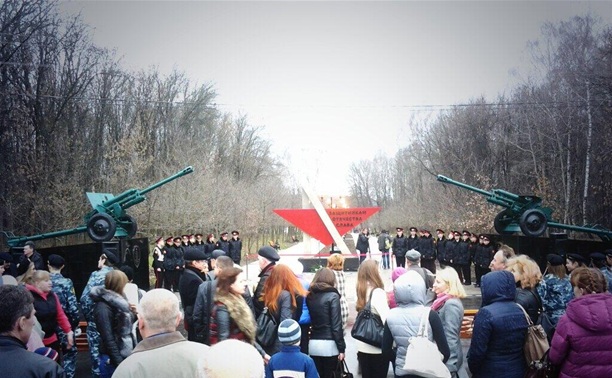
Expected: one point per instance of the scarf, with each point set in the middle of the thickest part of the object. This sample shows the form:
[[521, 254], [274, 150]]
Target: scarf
[[440, 300], [240, 313]]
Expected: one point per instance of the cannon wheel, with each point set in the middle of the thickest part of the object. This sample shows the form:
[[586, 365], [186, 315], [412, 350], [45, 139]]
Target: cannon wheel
[[101, 227], [132, 227], [533, 222], [501, 221]]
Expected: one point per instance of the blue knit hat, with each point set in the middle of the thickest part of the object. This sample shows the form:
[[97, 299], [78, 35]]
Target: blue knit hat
[[47, 352], [289, 332]]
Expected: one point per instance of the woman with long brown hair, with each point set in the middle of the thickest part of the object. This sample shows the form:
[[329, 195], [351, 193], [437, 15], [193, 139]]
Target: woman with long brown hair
[[114, 317], [283, 295], [231, 317], [370, 288], [327, 345]]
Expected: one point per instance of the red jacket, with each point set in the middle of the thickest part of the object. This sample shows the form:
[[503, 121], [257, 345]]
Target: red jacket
[[582, 343], [40, 299]]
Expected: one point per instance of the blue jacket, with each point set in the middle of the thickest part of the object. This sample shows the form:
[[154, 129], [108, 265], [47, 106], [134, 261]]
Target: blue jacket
[[499, 333], [289, 362]]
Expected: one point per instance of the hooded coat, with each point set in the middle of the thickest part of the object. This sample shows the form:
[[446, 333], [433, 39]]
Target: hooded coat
[[403, 321], [499, 333], [582, 343], [114, 322]]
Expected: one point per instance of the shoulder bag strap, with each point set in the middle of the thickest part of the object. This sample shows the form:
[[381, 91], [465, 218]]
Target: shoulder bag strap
[[529, 322], [423, 324], [537, 297]]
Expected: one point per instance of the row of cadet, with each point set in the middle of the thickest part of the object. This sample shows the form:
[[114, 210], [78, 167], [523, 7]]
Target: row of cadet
[[457, 249], [169, 254]]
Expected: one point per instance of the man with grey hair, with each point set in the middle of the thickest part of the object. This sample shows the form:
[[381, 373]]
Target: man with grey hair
[[413, 260], [163, 352], [219, 364]]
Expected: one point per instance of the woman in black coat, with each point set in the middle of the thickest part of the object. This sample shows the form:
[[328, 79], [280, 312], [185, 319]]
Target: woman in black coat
[[114, 318], [326, 346]]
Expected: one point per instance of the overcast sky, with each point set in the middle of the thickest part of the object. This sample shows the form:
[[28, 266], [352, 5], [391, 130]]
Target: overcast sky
[[332, 82]]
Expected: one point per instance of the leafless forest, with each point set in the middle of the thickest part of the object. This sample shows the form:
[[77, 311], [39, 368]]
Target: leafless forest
[[550, 137], [72, 119]]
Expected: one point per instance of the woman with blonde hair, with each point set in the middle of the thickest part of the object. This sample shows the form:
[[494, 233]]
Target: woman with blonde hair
[[449, 291], [49, 311], [370, 288], [283, 295], [335, 262], [527, 276], [114, 317], [582, 344]]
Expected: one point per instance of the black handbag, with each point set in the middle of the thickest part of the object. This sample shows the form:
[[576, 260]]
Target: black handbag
[[342, 370], [368, 326], [549, 327], [542, 369], [267, 329]]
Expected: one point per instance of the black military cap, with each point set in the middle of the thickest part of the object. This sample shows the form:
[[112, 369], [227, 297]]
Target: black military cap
[[414, 229], [200, 235], [195, 254], [218, 253], [597, 256], [466, 233], [575, 257], [224, 233], [235, 232], [456, 233], [554, 260], [439, 230], [399, 229], [178, 239], [269, 253], [169, 240], [56, 261], [484, 237], [111, 257]]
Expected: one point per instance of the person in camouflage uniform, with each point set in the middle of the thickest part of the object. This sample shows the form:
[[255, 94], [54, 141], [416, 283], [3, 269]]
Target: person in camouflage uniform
[[107, 262], [64, 290], [599, 261], [555, 289]]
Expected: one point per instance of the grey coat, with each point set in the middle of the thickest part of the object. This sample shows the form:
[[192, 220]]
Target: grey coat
[[451, 314]]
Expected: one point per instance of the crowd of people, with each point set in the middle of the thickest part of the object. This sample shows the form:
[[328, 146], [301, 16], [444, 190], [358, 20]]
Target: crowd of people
[[137, 336]]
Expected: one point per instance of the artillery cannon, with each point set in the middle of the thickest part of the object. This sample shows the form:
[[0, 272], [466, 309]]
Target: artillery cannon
[[524, 213], [108, 219]]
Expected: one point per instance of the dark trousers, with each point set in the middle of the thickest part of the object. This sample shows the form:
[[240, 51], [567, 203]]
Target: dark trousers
[[457, 268], [401, 261], [373, 365], [159, 279], [467, 273], [429, 264], [171, 278], [480, 271], [362, 256], [305, 328], [325, 365]]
